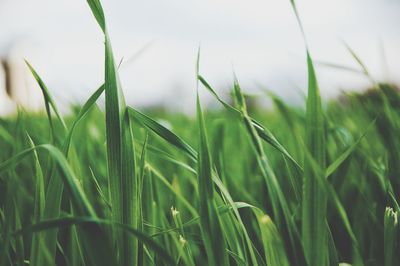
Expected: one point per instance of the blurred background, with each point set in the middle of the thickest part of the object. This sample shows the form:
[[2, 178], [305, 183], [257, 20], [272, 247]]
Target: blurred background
[[259, 40]]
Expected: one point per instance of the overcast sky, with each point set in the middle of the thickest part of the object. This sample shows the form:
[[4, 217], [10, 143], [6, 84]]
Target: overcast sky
[[258, 39]]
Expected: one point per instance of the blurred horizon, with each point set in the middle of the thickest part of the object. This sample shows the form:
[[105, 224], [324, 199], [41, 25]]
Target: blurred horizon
[[258, 40]]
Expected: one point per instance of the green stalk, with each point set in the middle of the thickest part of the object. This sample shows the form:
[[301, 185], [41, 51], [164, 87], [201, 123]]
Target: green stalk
[[123, 184]]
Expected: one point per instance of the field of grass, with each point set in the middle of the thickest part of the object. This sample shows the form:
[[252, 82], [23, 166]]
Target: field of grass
[[236, 186]]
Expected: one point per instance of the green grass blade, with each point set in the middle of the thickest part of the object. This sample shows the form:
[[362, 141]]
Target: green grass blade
[[329, 190], [275, 193], [37, 246], [98, 13], [213, 239], [122, 177], [163, 132], [314, 202], [142, 166], [360, 63], [130, 191], [55, 186], [46, 94], [82, 113]]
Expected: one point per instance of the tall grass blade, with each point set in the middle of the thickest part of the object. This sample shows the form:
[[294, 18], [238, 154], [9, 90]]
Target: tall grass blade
[[122, 177], [279, 203], [54, 190], [314, 202], [213, 239]]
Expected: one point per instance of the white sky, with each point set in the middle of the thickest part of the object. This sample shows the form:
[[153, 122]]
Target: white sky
[[259, 39]]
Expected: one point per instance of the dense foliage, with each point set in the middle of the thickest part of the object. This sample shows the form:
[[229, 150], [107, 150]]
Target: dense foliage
[[240, 185]]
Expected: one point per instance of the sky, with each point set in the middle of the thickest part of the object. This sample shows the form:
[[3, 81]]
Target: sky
[[157, 41]]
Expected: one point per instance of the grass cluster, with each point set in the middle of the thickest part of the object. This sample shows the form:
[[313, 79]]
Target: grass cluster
[[238, 186]]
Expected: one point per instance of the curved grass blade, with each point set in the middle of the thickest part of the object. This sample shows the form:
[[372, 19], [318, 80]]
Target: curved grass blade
[[54, 190], [82, 113], [278, 200], [47, 96], [224, 191], [163, 132], [263, 132], [360, 63]]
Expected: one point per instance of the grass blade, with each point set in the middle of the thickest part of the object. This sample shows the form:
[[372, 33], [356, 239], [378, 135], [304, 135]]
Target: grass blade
[[37, 246], [163, 132], [314, 203], [120, 150], [210, 224], [46, 94]]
